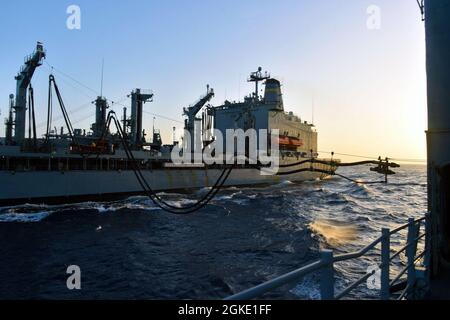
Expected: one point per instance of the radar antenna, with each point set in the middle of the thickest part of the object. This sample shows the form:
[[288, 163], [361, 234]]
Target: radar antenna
[[257, 77]]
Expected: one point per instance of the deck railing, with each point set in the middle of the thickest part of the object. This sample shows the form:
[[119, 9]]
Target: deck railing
[[325, 265]]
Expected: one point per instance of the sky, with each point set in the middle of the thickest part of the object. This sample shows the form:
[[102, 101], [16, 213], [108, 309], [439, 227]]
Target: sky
[[364, 87]]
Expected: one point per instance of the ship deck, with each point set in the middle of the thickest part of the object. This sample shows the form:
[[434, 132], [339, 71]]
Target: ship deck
[[439, 286]]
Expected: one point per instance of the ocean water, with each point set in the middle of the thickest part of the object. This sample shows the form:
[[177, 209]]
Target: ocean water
[[132, 250]]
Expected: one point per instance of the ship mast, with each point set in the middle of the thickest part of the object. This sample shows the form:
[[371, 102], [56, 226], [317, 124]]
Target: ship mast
[[257, 77]]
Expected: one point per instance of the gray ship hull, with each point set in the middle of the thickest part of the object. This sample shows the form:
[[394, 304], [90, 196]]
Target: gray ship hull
[[37, 187]]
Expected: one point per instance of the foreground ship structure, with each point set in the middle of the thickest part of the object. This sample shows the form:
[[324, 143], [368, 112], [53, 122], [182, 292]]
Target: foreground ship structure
[[75, 165]]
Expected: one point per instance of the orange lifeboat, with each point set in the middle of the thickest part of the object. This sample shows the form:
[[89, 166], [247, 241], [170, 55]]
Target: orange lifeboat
[[289, 141], [283, 141]]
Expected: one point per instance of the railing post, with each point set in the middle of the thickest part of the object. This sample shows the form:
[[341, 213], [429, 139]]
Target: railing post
[[411, 253], [327, 275], [427, 258], [385, 263]]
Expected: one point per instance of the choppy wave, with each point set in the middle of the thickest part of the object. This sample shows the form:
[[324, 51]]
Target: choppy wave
[[335, 233], [242, 238]]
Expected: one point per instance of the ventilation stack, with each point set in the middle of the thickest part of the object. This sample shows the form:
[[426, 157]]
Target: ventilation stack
[[101, 105], [272, 94]]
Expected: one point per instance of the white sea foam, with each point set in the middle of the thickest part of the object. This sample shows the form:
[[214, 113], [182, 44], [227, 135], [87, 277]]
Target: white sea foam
[[228, 196], [282, 184], [24, 217], [142, 206], [203, 190], [180, 203], [104, 209], [307, 289]]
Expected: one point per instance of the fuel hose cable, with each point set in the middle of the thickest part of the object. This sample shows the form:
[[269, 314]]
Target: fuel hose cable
[[158, 201], [383, 167], [142, 178]]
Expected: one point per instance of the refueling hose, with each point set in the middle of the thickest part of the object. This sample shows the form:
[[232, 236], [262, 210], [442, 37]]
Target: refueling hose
[[158, 201]]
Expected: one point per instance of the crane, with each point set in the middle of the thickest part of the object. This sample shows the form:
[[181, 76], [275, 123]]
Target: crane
[[23, 79], [193, 110]]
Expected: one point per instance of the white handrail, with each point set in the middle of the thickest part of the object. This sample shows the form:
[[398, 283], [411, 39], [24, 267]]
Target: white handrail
[[326, 264]]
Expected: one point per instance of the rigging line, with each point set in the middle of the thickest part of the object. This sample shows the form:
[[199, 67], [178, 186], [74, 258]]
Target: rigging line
[[350, 155], [330, 163], [72, 78], [57, 122], [64, 110], [160, 203], [154, 196], [119, 102], [163, 117], [71, 112], [328, 173], [336, 164], [409, 160], [375, 158], [72, 86], [151, 113], [331, 172], [82, 119]]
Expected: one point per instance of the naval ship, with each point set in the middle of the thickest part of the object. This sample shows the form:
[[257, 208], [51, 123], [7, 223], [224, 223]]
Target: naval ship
[[76, 165]]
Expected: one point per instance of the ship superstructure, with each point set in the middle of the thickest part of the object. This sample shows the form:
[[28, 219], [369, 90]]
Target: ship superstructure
[[296, 137], [78, 165]]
